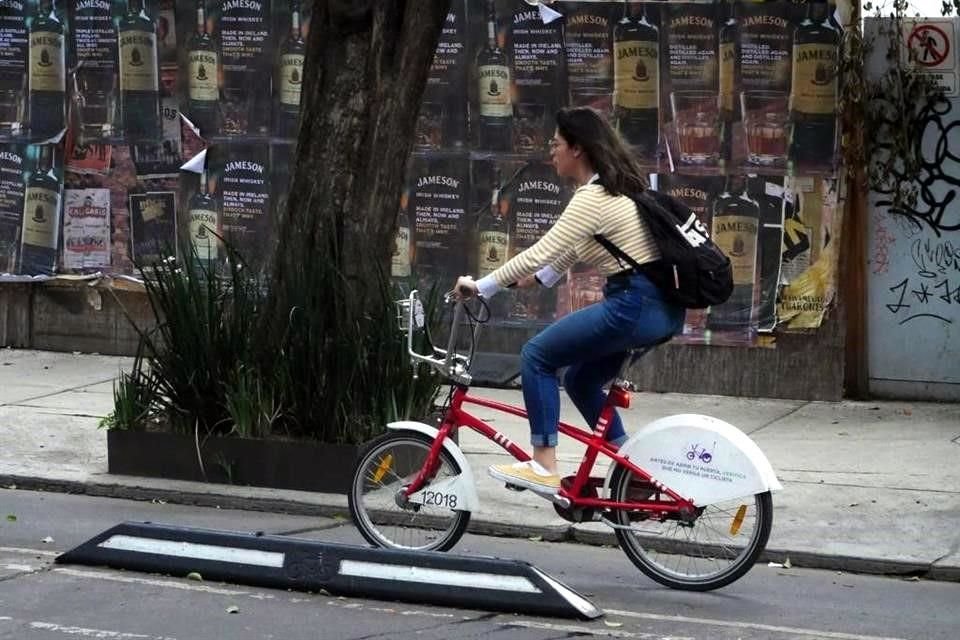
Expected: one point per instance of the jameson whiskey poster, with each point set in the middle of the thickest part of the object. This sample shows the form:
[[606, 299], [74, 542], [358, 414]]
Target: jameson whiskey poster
[[11, 205], [691, 84], [40, 233], [539, 77], [442, 123], [438, 199], [94, 54], [244, 35], [535, 200], [244, 192], [588, 40], [86, 229], [153, 221]]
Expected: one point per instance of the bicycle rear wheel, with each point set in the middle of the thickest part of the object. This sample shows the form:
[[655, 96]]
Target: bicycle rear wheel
[[710, 551], [386, 467]]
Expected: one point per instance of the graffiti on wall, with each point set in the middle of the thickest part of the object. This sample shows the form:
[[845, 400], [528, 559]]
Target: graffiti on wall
[[927, 231]]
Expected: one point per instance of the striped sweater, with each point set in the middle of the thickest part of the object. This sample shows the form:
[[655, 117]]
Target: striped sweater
[[591, 210]]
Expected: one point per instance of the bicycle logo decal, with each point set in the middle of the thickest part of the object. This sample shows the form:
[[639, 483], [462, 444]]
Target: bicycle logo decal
[[696, 452]]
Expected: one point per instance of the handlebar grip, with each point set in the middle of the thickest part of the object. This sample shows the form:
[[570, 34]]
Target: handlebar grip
[[466, 292]]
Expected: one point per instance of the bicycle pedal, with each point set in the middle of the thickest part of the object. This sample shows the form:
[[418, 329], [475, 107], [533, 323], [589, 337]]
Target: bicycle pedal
[[514, 487]]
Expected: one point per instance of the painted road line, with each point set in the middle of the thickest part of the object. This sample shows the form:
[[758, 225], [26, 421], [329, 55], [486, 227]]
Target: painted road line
[[29, 552], [571, 629], [171, 584], [85, 632], [756, 626]]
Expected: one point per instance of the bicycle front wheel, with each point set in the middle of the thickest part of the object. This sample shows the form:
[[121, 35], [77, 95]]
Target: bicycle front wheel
[[711, 550], [388, 465]]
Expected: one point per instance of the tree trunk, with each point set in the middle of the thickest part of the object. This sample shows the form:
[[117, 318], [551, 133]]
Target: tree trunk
[[366, 68]]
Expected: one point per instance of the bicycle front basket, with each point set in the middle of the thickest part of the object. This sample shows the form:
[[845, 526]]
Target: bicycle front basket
[[403, 314]]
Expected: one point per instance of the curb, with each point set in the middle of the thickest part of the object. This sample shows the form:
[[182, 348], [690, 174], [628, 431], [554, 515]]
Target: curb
[[478, 526]]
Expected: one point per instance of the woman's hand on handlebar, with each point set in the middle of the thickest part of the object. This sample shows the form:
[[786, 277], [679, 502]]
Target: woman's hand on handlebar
[[465, 288]]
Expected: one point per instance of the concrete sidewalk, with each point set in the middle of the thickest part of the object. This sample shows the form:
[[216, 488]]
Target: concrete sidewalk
[[868, 486]]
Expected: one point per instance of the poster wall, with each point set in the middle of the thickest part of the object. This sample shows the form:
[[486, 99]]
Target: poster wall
[[729, 105]]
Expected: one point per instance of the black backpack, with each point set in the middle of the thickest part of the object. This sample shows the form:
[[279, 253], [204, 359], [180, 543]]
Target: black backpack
[[693, 272]]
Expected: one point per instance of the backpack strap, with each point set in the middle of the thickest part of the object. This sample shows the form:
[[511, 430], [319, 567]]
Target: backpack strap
[[616, 252]]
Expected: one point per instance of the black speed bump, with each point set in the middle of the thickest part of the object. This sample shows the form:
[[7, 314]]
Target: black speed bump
[[307, 565]]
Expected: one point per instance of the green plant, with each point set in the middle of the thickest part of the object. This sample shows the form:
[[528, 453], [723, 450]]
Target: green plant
[[134, 399], [219, 364], [882, 95]]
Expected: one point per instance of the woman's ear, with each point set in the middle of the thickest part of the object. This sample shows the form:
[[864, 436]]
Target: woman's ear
[[577, 150]]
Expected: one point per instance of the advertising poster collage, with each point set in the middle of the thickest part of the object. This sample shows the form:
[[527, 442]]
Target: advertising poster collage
[[103, 101], [730, 105]]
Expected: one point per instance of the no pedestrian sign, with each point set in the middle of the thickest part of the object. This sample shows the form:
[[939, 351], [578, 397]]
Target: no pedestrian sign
[[933, 43]]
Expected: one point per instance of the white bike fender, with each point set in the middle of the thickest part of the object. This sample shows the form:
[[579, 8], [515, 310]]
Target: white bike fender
[[464, 482], [734, 468]]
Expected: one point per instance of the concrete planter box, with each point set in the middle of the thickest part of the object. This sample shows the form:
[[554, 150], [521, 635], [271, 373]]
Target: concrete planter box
[[278, 464]]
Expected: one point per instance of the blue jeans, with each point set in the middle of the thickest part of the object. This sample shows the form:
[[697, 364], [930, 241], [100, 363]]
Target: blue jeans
[[593, 343]]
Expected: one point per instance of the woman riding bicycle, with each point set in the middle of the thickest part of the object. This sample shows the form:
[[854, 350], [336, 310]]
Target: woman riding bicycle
[[593, 341]]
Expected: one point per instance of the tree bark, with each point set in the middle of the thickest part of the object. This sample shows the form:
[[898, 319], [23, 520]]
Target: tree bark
[[366, 67]]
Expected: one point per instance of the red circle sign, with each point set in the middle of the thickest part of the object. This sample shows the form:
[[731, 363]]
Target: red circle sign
[[930, 44]]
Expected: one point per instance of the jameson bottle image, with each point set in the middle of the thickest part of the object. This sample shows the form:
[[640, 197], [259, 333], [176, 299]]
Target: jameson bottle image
[[735, 225], [400, 263], [203, 73], [139, 80], [290, 77], [493, 239], [204, 212], [47, 81], [813, 94], [636, 80], [729, 63], [41, 217], [495, 128]]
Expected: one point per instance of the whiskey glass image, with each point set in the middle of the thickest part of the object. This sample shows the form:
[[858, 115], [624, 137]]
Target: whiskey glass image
[[765, 123], [696, 118], [12, 105], [235, 106], [95, 103], [528, 129], [428, 135]]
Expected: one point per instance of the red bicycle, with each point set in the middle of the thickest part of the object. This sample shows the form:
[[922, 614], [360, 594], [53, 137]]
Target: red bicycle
[[689, 524]]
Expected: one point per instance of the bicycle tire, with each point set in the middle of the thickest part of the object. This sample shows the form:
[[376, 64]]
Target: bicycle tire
[[730, 560], [386, 526]]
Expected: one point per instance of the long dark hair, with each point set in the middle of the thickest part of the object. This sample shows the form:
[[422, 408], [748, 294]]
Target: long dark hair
[[618, 170]]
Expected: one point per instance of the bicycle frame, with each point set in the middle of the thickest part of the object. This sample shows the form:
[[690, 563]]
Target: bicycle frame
[[456, 417]]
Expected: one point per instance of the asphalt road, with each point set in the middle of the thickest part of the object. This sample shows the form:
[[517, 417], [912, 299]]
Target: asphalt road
[[43, 601]]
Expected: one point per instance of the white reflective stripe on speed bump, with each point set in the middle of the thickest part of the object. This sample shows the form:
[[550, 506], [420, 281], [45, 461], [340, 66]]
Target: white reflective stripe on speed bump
[[451, 578], [582, 605], [193, 550]]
